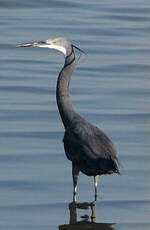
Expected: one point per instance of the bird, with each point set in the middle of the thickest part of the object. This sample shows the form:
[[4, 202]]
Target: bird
[[88, 148]]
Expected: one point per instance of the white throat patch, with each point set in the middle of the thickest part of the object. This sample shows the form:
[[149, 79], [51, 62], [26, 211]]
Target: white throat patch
[[59, 48]]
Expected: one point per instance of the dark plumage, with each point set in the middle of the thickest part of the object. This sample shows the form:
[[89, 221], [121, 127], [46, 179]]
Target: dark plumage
[[89, 149]]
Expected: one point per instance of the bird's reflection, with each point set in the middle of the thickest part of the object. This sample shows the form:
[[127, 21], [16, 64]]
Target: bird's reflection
[[86, 221]]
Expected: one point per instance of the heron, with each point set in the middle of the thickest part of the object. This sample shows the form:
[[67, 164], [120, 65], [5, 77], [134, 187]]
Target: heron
[[88, 148]]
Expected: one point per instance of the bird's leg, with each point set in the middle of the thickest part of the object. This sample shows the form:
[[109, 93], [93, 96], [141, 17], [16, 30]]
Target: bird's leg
[[95, 185], [93, 209], [75, 174]]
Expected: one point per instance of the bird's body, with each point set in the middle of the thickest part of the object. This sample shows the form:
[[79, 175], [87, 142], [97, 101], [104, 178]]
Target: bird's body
[[92, 152], [89, 149]]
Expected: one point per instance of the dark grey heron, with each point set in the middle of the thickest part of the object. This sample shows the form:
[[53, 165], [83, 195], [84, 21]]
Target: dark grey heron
[[89, 149]]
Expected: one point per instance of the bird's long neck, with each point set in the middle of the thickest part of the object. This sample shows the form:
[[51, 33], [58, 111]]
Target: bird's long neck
[[65, 107]]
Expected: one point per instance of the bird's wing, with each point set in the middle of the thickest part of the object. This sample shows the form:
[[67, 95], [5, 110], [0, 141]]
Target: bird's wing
[[86, 143]]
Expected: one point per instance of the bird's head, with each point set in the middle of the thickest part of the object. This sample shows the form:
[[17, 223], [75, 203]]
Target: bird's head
[[61, 44]]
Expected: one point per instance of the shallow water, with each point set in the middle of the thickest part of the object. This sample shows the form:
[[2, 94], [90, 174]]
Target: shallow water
[[110, 89]]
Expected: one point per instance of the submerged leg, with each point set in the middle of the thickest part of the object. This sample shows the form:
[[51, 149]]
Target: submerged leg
[[75, 174], [95, 185]]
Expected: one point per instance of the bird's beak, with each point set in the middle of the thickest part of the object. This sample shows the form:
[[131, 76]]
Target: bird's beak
[[47, 44], [34, 44]]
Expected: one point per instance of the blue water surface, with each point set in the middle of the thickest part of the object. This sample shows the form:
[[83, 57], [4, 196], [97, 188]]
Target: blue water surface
[[111, 89]]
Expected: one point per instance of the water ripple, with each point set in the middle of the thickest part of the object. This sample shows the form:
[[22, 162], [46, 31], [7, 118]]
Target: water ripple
[[110, 89]]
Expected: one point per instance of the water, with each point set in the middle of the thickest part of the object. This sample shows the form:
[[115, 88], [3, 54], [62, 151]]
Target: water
[[110, 89]]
